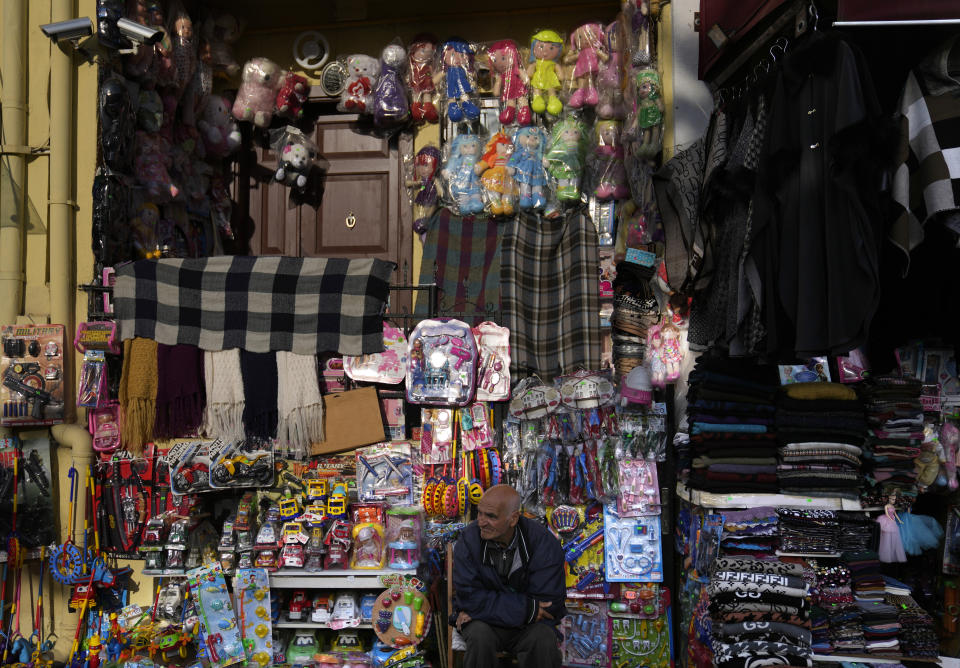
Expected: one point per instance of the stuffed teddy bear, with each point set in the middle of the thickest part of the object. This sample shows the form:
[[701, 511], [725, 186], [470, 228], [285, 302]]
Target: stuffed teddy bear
[[220, 30], [219, 131], [362, 74], [295, 161], [292, 95], [258, 92]]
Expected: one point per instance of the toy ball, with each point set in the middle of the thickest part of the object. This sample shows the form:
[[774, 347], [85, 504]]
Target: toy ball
[[475, 493]]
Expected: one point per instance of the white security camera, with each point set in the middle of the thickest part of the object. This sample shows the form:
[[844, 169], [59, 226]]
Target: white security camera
[[139, 33], [71, 30]]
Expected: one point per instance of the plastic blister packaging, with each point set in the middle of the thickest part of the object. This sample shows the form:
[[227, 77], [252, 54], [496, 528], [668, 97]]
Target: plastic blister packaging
[[436, 435], [442, 367], [189, 463], [404, 534], [31, 373], [493, 347], [632, 547], [639, 488], [609, 172], [388, 367], [565, 158], [368, 546], [357, 95], [509, 82], [586, 631], [241, 464], [586, 54], [218, 619], [499, 188], [384, 473], [527, 168], [463, 190], [458, 71], [391, 108], [252, 591]]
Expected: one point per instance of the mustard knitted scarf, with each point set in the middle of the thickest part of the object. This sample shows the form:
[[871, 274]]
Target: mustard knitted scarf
[[138, 392]]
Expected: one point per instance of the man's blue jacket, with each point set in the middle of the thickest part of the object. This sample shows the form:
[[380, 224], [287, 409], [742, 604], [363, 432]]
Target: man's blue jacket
[[480, 593]]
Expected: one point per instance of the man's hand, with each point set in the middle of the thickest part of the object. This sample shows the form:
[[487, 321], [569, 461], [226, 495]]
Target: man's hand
[[462, 619], [541, 611]]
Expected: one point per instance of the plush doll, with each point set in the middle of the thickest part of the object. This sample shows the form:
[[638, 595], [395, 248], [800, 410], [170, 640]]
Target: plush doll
[[390, 105], [164, 69], [219, 131], [297, 155], [220, 30], [501, 189], [150, 111], [145, 231], [610, 175], [544, 71], [565, 157], [458, 73], [258, 92], [609, 79], [460, 171], [184, 47], [293, 93], [421, 52], [508, 83], [425, 201], [649, 114], [362, 74], [526, 166], [151, 166], [588, 50]]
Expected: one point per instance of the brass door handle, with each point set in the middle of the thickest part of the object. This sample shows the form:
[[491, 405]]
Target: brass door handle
[[350, 221]]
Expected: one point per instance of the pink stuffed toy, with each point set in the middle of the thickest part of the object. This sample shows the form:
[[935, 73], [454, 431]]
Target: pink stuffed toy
[[258, 92], [292, 95], [218, 130], [152, 163]]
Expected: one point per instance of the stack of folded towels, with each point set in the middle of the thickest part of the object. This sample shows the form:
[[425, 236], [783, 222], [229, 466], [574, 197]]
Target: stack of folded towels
[[808, 530], [759, 612], [895, 418], [821, 427], [730, 413], [751, 532]]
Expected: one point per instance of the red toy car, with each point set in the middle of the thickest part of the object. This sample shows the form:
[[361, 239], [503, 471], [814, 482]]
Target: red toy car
[[298, 606]]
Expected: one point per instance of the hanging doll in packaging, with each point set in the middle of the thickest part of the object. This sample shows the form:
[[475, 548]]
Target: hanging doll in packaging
[[664, 353], [258, 92], [292, 95], [184, 47], [610, 78], [420, 57], [647, 118], [461, 172], [425, 166], [526, 166], [220, 30], [565, 157], [544, 72], [357, 95], [508, 82], [641, 19], [459, 77], [151, 165], [499, 187], [390, 105], [610, 175], [219, 131], [588, 51], [297, 155]]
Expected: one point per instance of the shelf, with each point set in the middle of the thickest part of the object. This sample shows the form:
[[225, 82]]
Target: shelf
[[291, 578], [751, 500], [317, 625], [869, 658], [809, 555]]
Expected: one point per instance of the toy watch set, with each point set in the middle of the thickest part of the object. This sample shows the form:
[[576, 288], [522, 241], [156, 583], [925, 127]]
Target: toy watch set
[[32, 375]]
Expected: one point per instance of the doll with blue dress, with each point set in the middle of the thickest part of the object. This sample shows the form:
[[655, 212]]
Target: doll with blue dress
[[462, 174], [526, 165], [457, 61]]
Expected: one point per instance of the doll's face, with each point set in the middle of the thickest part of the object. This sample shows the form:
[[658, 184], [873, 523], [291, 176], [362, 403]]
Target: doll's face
[[469, 148], [454, 58], [570, 136], [503, 148], [424, 170], [530, 139], [423, 53], [644, 88], [546, 50], [501, 61], [183, 27], [608, 134]]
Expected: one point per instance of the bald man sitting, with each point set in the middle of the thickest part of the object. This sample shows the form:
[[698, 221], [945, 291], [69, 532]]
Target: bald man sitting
[[509, 585]]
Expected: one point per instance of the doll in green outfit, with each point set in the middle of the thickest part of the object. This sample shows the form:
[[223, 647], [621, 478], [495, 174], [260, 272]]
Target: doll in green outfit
[[545, 72], [565, 157]]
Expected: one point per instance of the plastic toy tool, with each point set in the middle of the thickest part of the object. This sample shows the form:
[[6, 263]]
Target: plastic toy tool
[[632, 547]]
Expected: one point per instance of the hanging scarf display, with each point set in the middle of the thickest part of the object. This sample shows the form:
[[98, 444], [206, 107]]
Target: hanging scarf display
[[299, 406], [138, 392], [260, 394], [224, 384], [180, 397]]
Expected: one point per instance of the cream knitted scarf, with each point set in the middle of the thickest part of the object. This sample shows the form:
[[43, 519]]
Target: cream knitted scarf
[[299, 405], [224, 383]]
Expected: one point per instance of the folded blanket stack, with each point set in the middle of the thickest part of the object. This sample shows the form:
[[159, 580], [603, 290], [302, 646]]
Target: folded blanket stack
[[750, 532], [808, 530], [733, 443], [846, 631], [820, 630], [857, 531], [821, 427], [880, 627], [917, 635], [759, 611], [895, 419], [867, 580]]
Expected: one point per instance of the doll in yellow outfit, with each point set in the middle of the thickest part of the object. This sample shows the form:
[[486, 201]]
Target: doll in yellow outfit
[[545, 71]]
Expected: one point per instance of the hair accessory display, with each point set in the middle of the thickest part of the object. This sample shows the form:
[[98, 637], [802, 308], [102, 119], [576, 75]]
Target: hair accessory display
[[388, 367]]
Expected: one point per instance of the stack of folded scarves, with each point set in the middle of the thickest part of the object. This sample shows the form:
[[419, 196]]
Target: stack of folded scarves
[[759, 611], [820, 630], [808, 530], [880, 627], [731, 417], [834, 596], [895, 419], [750, 532], [857, 531], [821, 427], [865, 575], [846, 632], [917, 635]]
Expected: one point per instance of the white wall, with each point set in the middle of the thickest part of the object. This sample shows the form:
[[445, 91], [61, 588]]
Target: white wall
[[692, 101]]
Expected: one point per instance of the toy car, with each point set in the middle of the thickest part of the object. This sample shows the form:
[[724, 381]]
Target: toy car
[[301, 649], [321, 609], [348, 640], [293, 534], [345, 607], [170, 602], [243, 470], [317, 489], [266, 559], [244, 513], [297, 606], [267, 537], [291, 556], [193, 477]]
